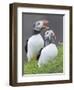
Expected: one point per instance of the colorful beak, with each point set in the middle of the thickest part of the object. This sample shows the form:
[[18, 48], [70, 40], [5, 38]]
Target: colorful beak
[[45, 24], [54, 36]]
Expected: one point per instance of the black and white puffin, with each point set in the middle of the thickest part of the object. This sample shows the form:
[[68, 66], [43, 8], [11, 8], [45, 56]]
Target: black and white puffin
[[50, 51], [35, 43]]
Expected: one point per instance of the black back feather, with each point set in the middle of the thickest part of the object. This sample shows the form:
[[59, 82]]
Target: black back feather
[[26, 46], [39, 53]]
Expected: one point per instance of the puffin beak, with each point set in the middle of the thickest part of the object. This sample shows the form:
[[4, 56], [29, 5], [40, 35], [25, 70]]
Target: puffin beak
[[45, 25], [54, 36]]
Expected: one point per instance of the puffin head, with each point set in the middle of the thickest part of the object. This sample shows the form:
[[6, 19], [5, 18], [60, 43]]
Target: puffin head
[[50, 35], [40, 25]]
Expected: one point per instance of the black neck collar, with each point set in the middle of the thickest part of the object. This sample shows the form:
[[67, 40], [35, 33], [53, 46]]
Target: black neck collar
[[35, 32]]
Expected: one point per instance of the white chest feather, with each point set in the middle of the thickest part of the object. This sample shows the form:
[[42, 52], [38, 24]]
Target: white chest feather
[[35, 43], [48, 53]]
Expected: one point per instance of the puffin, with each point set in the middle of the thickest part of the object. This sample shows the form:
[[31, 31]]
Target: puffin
[[50, 51], [35, 43]]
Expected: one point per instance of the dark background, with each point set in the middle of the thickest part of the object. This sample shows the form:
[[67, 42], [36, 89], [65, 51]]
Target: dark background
[[55, 23]]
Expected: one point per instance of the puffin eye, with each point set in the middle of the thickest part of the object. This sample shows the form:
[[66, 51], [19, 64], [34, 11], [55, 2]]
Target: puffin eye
[[47, 32], [38, 23]]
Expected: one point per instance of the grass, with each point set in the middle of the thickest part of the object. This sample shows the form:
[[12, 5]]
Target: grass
[[55, 66]]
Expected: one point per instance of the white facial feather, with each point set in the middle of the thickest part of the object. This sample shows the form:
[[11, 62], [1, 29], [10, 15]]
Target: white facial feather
[[38, 25], [49, 34]]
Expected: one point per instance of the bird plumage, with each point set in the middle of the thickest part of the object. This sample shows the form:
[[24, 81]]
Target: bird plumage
[[35, 43], [50, 51]]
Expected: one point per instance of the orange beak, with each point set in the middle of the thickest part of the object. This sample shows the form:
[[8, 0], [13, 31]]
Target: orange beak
[[54, 36], [45, 24]]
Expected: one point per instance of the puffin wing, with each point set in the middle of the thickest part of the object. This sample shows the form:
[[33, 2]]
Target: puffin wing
[[26, 45], [39, 54]]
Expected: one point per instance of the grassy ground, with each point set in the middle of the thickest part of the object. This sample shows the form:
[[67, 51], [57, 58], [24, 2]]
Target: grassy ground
[[55, 66]]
